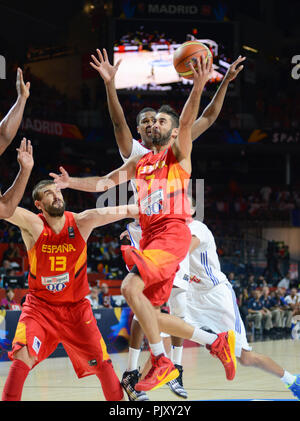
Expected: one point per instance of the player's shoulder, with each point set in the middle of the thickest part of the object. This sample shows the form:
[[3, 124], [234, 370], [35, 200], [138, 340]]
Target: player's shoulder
[[198, 224], [138, 148]]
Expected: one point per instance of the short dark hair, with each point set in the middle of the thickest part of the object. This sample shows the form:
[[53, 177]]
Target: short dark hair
[[167, 109], [37, 188], [144, 110]]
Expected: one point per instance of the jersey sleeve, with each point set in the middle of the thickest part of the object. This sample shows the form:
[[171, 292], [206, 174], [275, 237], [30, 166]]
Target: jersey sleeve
[[137, 149], [200, 230]]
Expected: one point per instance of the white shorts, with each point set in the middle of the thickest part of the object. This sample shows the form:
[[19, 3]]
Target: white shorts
[[217, 310]]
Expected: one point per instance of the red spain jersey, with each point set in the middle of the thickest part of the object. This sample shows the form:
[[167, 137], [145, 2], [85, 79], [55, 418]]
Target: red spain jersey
[[57, 264], [162, 185]]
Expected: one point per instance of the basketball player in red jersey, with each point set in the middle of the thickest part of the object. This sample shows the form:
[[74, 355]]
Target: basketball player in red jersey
[[162, 178], [56, 309], [128, 147]]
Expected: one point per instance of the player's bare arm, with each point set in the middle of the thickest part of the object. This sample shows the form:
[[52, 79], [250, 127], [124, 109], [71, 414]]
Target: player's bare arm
[[30, 224], [93, 218], [11, 122], [212, 111], [97, 184], [107, 71], [12, 197], [182, 146]]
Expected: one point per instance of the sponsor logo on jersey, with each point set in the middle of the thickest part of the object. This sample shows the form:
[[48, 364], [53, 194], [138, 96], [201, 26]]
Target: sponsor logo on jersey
[[36, 345]]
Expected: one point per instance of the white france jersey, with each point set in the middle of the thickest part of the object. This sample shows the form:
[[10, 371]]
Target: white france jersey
[[137, 149], [205, 269]]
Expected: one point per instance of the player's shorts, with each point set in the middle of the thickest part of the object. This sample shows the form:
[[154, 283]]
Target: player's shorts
[[217, 310], [159, 257], [43, 326], [182, 276]]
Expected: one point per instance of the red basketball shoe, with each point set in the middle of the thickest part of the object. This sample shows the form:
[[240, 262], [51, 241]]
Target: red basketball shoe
[[224, 349], [161, 372]]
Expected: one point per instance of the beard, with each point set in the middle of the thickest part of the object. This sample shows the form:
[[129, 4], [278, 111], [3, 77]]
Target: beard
[[56, 211], [161, 139]]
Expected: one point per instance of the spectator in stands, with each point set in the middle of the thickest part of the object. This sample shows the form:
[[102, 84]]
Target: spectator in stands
[[6, 265], [276, 319], [93, 298], [243, 298], [255, 311], [252, 284], [262, 282], [105, 299], [285, 282], [9, 303], [293, 300], [12, 253], [278, 302]]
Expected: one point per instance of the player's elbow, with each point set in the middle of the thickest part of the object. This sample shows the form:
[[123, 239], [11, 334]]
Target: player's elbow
[[186, 121], [5, 141], [6, 210]]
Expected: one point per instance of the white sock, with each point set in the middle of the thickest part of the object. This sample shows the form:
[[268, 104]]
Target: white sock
[[158, 348], [133, 356], [288, 378], [202, 337], [176, 354]]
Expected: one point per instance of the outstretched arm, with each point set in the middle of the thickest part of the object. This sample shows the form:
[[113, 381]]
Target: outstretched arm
[[183, 142], [212, 111], [107, 72], [97, 184], [93, 218], [12, 197], [11, 122]]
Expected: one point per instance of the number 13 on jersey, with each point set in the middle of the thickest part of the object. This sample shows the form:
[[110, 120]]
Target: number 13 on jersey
[[58, 263]]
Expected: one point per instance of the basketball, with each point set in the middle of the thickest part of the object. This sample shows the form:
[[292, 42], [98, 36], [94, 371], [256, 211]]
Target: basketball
[[187, 52]]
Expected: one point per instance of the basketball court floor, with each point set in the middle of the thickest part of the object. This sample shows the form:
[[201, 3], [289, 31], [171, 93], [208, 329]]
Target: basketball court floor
[[204, 378]]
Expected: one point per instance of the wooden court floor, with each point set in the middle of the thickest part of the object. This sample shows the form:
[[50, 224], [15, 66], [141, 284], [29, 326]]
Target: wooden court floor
[[204, 378]]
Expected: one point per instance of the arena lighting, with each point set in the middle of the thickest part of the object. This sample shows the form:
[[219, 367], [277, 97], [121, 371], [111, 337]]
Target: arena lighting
[[246, 47]]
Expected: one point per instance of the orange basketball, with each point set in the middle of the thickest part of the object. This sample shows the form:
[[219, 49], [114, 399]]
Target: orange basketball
[[189, 51]]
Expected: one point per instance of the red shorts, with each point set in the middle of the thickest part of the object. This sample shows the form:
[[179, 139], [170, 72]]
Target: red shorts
[[43, 326], [158, 259]]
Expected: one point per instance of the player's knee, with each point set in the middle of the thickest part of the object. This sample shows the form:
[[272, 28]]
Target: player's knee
[[177, 303], [247, 358], [24, 356], [131, 287]]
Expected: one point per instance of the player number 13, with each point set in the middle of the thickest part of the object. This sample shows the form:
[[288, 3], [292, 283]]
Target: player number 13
[[58, 263]]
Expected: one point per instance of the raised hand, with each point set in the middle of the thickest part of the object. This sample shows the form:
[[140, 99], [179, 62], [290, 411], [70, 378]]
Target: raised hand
[[22, 88], [202, 70], [234, 69], [106, 70], [61, 180], [124, 234], [25, 155]]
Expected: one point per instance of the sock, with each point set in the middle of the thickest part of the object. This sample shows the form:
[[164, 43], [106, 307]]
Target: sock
[[133, 356], [202, 337], [17, 375], [157, 349], [176, 354], [110, 383], [288, 378]]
